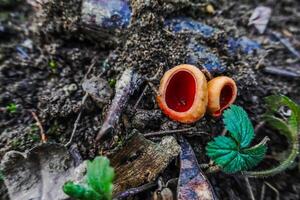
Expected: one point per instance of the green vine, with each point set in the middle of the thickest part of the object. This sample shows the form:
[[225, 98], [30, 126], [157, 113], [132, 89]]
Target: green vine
[[288, 127]]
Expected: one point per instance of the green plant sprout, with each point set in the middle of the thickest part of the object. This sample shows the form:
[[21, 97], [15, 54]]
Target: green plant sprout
[[53, 65], [289, 127], [98, 184], [11, 108], [233, 153], [112, 83]]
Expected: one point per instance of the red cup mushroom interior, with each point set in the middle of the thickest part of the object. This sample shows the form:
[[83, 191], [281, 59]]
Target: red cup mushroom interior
[[225, 98], [226, 95], [180, 92]]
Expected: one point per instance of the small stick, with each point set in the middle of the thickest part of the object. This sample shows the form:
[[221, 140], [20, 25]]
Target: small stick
[[90, 68], [167, 132], [125, 87], [39, 124], [77, 120], [259, 126], [153, 87], [263, 191], [141, 96], [82, 103], [285, 42], [134, 191], [261, 60], [274, 189], [249, 188], [281, 72]]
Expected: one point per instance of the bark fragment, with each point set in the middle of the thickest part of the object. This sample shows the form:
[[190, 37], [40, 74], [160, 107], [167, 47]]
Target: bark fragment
[[141, 161]]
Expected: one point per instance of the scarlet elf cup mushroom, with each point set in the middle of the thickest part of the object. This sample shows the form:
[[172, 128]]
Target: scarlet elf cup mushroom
[[184, 94], [222, 93]]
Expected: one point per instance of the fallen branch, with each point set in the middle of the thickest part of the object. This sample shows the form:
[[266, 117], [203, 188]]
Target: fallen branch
[[125, 87]]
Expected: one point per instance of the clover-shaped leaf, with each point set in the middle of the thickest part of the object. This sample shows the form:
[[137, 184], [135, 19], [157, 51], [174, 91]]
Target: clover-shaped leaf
[[233, 153]]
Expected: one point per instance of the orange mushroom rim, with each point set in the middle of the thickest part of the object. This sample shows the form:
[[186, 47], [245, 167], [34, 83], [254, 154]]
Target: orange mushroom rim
[[183, 93], [222, 92]]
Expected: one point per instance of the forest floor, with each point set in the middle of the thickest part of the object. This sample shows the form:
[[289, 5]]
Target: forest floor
[[43, 64]]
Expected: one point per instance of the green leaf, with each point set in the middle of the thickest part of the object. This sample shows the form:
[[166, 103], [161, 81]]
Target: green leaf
[[80, 192], [280, 125], [274, 102], [100, 176], [287, 127], [239, 125], [225, 153]]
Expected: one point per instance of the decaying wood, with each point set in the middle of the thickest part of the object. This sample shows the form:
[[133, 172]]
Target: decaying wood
[[125, 87], [141, 161]]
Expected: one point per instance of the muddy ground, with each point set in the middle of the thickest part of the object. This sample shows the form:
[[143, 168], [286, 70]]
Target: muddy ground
[[43, 62]]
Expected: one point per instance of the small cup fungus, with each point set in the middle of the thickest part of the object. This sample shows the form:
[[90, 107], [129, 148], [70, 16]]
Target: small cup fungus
[[222, 93], [183, 93]]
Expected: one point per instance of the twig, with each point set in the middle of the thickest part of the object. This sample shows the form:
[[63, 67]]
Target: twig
[[39, 124], [274, 189], [273, 70], [90, 68], [172, 181], [263, 191], [153, 87], [167, 132], [261, 60], [149, 80], [259, 126], [249, 188], [134, 191], [82, 103], [285, 42], [77, 120], [125, 86], [141, 96]]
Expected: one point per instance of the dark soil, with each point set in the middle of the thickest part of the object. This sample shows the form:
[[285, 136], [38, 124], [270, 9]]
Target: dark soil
[[43, 61]]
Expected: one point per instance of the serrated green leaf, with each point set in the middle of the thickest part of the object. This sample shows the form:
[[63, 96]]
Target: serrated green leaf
[[100, 176], [239, 125], [220, 146], [254, 155], [225, 153]]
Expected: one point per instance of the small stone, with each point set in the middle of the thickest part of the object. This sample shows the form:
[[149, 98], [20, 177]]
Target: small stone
[[98, 89]]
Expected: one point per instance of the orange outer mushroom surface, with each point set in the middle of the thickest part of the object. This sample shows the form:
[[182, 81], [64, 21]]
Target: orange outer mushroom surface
[[222, 93], [182, 94]]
